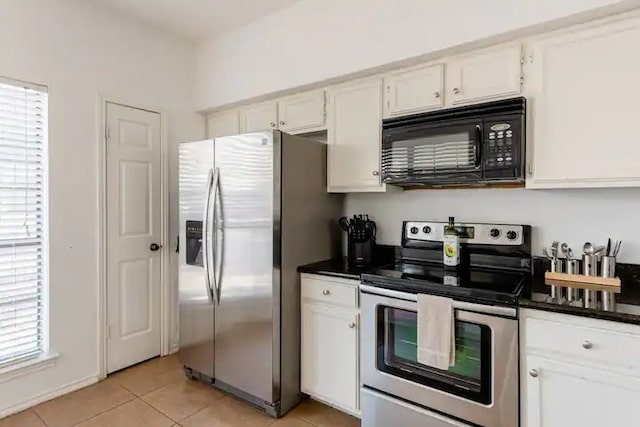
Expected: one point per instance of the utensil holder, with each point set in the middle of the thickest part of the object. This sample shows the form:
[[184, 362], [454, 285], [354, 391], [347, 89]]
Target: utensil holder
[[556, 267], [590, 265], [572, 266], [608, 269]]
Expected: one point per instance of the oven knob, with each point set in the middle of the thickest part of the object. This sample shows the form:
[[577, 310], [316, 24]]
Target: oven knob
[[495, 233], [414, 230], [426, 229], [511, 235]]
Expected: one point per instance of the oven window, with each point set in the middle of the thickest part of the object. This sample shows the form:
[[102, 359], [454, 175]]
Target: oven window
[[470, 377]]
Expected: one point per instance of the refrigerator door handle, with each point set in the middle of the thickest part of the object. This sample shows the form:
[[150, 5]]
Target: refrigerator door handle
[[216, 187], [205, 237]]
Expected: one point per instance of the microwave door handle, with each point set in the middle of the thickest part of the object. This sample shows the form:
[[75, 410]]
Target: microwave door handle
[[478, 147]]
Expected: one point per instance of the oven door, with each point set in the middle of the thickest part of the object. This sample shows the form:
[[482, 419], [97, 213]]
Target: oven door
[[481, 387], [442, 153]]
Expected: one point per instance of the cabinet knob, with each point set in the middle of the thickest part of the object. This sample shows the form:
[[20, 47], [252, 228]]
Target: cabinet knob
[[326, 292], [352, 325], [272, 124], [436, 95], [456, 91], [282, 123], [533, 373], [375, 173], [586, 344]]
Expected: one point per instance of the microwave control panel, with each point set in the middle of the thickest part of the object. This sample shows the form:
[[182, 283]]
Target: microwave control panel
[[503, 148]]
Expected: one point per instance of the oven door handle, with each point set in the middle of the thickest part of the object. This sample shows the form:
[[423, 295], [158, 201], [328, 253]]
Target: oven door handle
[[478, 147], [458, 305]]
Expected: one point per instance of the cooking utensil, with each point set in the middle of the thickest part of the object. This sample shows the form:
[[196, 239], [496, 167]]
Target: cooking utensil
[[618, 245], [570, 253], [546, 252], [588, 249], [564, 248], [554, 248], [608, 252]]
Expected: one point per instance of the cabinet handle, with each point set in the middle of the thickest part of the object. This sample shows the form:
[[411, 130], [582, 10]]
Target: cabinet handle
[[352, 325], [586, 344], [456, 91], [375, 173], [533, 373], [436, 95], [273, 124], [326, 292], [282, 123]]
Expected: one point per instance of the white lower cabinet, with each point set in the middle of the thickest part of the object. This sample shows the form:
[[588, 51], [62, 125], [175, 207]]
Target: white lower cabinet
[[564, 393], [577, 379], [329, 349]]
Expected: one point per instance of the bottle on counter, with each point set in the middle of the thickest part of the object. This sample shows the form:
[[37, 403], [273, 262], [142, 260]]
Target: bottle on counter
[[451, 245]]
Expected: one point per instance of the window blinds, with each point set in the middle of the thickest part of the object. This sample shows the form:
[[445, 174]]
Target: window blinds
[[23, 136]]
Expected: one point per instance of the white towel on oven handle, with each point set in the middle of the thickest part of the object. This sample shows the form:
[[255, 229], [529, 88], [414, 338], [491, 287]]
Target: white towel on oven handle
[[436, 331]]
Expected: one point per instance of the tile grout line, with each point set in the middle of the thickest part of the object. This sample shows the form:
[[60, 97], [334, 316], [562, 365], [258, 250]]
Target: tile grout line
[[39, 417], [107, 410], [160, 412]]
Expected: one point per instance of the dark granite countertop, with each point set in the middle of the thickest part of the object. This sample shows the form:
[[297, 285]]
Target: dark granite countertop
[[630, 295], [339, 267]]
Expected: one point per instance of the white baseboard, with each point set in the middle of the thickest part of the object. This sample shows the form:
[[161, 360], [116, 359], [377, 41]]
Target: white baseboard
[[52, 394]]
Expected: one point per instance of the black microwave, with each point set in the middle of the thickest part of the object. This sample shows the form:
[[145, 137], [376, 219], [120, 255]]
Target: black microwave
[[480, 144]]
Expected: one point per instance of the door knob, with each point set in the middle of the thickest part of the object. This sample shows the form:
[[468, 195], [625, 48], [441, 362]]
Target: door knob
[[375, 173], [436, 95], [154, 247], [352, 325], [272, 124], [282, 123], [586, 344], [456, 91], [533, 373]]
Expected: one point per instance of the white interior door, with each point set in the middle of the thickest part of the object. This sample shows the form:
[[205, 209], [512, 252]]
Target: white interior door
[[133, 212]]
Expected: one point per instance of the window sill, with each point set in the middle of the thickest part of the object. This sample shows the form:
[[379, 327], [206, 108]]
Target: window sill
[[12, 371]]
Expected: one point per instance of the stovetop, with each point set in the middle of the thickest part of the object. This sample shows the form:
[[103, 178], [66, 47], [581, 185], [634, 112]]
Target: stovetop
[[495, 263], [472, 284]]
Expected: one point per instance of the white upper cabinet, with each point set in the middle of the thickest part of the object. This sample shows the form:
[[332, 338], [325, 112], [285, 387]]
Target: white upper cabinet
[[484, 75], [354, 118], [258, 117], [302, 113], [413, 91], [223, 124], [584, 92]]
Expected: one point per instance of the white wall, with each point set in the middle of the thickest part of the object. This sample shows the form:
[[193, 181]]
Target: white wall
[[313, 40], [572, 216], [82, 53]]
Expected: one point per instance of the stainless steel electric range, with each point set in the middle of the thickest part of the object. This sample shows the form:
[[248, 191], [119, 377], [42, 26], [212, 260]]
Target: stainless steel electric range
[[481, 389]]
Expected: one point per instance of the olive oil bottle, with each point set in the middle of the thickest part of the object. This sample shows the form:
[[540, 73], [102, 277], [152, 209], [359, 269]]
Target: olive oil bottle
[[451, 245]]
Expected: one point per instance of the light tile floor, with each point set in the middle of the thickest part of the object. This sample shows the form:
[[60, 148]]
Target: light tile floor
[[157, 394]]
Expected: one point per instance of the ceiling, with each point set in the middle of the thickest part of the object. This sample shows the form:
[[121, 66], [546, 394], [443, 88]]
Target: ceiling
[[196, 19]]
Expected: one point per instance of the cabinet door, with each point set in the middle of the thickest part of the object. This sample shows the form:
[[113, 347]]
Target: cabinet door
[[259, 117], [414, 91], [302, 113], [223, 124], [585, 96], [330, 355], [354, 119], [484, 75], [561, 394]]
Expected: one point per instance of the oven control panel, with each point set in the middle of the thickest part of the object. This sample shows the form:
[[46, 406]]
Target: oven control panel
[[476, 234]]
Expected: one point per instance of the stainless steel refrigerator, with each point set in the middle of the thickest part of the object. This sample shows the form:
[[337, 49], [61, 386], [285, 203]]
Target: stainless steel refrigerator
[[253, 208]]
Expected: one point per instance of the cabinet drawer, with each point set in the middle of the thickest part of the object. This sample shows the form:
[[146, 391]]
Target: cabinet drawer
[[608, 348], [329, 292]]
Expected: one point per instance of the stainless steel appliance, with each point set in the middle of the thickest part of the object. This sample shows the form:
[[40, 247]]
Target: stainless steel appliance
[[361, 239], [474, 145], [253, 207], [482, 386]]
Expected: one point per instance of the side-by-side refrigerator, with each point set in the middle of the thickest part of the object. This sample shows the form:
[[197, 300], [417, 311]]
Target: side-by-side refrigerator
[[253, 208]]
